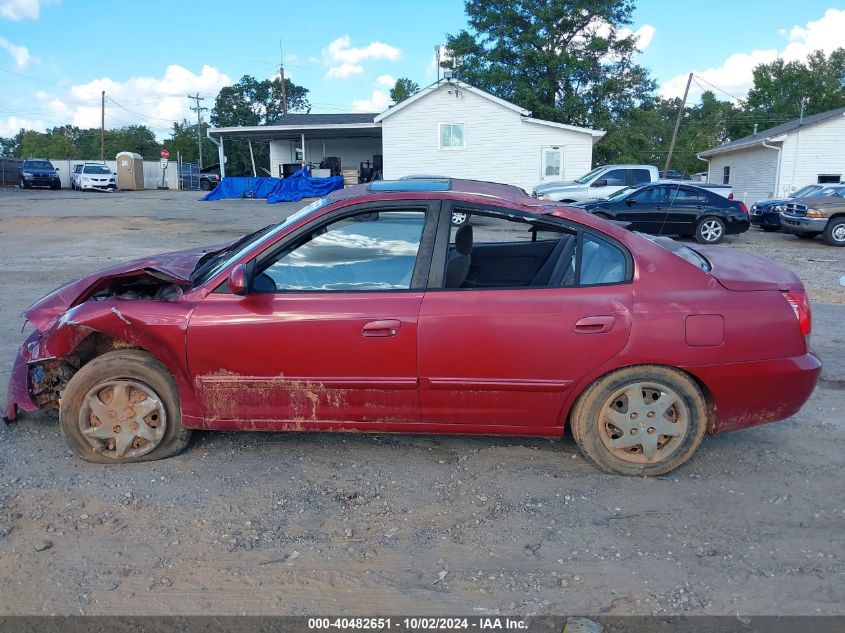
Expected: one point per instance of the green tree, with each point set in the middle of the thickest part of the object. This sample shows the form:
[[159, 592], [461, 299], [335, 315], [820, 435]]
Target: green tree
[[565, 60], [183, 139], [252, 102], [402, 89], [780, 88]]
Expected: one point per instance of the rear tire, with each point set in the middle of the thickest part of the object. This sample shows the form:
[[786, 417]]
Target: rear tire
[[710, 230], [834, 232], [636, 398], [142, 379], [205, 185]]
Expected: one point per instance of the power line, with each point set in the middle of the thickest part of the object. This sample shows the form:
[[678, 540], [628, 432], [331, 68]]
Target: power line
[[716, 87]]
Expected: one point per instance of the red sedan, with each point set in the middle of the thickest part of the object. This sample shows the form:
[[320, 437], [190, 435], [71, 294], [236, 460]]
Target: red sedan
[[369, 311]]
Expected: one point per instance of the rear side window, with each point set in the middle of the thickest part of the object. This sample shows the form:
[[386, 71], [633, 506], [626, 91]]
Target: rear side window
[[688, 196], [601, 262], [639, 176]]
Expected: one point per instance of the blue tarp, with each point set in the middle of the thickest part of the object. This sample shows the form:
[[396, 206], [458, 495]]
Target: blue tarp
[[291, 189]]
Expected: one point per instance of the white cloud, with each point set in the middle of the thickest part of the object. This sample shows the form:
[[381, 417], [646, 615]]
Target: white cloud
[[735, 75], [152, 101], [344, 71], [376, 103], [386, 80], [344, 60], [13, 124], [20, 54], [644, 35], [22, 9]]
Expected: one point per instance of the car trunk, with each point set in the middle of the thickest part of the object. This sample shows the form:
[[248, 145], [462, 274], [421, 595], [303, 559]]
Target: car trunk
[[737, 270]]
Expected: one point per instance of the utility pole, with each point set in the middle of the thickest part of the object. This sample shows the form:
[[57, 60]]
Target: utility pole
[[675, 131], [282, 80], [103, 125], [198, 110]]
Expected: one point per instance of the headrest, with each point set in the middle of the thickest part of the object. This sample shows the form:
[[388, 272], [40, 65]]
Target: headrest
[[463, 239]]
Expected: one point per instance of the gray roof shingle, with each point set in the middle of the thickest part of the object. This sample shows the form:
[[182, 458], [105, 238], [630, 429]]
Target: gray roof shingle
[[326, 119], [785, 128]]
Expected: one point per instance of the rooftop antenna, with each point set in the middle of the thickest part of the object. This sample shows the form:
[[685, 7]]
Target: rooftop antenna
[[282, 79], [437, 60]]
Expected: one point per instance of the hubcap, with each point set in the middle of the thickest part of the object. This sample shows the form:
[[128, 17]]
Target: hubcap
[[838, 232], [711, 230], [459, 218], [643, 423], [122, 418]]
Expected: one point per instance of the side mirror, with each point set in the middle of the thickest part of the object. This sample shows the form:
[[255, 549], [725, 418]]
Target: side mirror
[[599, 183], [237, 280]]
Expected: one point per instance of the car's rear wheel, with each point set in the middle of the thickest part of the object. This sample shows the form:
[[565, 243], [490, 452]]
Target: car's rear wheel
[[123, 406], [834, 232], [710, 230], [205, 185], [645, 420]]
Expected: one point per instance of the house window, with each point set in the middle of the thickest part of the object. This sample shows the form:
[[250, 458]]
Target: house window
[[452, 136], [824, 179], [726, 175]]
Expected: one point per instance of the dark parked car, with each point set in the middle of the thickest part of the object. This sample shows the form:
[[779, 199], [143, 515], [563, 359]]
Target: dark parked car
[[39, 173], [368, 311], [766, 213], [192, 177], [673, 209]]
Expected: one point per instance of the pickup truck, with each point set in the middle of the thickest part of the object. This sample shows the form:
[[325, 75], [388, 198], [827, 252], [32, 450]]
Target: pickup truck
[[598, 184]]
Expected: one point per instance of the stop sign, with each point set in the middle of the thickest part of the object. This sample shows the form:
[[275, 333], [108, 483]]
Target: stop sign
[[165, 153]]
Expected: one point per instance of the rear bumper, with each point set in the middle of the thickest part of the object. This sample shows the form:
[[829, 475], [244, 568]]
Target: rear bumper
[[19, 396], [757, 392], [800, 224], [735, 226]]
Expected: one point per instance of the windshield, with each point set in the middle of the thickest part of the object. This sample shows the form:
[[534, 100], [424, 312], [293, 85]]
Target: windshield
[[684, 252], [803, 192], [589, 176], [213, 262], [37, 164], [839, 192], [622, 193], [95, 169]]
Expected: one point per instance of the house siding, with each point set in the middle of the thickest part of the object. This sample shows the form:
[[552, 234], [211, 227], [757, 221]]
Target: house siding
[[811, 152], [753, 172], [499, 145]]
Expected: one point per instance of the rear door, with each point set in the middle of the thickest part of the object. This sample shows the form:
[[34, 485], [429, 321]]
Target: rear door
[[686, 205], [501, 355]]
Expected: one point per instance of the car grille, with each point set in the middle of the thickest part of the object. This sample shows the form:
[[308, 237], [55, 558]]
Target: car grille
[[796, 209]]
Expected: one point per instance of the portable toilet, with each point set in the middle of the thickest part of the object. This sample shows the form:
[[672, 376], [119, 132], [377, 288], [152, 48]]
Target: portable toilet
[[130, 171]]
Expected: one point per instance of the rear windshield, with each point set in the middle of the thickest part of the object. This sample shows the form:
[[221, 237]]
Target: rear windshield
[[684, 252], [96, 169], [37, 164]]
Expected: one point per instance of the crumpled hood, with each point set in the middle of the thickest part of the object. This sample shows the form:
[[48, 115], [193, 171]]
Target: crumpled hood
[[175, 267]]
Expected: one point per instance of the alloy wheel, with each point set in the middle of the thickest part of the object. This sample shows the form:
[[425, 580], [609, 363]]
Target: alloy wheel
[[711, 230]]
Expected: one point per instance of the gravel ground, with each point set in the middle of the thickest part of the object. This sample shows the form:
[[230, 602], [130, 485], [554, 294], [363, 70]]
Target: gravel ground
[[295, 523]]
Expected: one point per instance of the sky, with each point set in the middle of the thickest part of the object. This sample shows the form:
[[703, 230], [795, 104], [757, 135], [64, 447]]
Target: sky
[[56, 56]]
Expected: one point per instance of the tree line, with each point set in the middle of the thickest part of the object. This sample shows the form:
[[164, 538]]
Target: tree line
[[570, 61]]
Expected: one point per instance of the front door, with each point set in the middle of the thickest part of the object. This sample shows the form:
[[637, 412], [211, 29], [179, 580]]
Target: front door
[[551, 163], [504, 355], [645, 209], [327, 337]]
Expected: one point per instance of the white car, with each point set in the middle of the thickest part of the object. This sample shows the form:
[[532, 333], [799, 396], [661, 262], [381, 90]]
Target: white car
[[93, 176]]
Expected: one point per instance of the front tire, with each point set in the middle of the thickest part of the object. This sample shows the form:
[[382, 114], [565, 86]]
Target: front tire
[[640, 421], [711, 230], [123, 407], [205, 185], [834, 232], [23, 184]]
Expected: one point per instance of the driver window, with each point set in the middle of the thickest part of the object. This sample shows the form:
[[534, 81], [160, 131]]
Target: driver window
[[367, 251]]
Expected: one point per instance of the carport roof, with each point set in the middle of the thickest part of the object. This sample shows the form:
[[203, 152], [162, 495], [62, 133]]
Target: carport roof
[[294, 125]]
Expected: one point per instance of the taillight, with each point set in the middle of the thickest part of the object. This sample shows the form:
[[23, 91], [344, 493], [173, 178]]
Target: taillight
[[743, 208], [731, 195], [801, 307]]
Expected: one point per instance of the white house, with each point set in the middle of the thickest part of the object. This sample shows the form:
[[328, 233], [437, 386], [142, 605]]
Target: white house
[[780, 160], [447, 129]]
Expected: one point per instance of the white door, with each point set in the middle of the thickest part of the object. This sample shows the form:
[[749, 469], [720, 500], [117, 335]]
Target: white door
[[551, 163]]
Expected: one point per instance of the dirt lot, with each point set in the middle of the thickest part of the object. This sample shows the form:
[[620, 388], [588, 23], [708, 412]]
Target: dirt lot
[[346, 524]]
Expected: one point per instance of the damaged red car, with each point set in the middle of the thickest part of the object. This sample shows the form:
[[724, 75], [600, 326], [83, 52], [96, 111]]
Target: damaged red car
[[369, 311]]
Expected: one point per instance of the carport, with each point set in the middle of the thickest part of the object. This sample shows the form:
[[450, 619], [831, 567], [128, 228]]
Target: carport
[[298, 138]]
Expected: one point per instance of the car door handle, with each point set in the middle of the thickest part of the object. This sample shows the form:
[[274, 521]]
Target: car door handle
[[388, 327], [594, 324]]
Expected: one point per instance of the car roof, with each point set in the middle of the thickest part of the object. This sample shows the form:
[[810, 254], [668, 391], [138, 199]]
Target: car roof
[[452, 188]]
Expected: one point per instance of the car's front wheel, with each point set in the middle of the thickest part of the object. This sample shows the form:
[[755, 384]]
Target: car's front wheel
[[23, 184], [834, 232], [710, 230], [644, 420], [123, 406], [205, 185]]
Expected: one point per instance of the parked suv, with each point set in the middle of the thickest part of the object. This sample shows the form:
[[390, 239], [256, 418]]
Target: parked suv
[[93, 176], [766, 213], [823, 213], [37, 172]]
